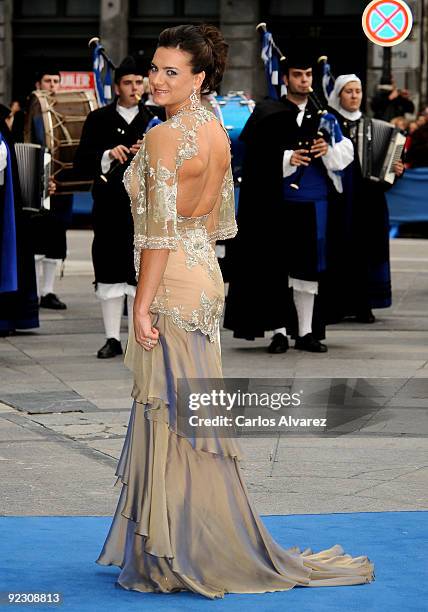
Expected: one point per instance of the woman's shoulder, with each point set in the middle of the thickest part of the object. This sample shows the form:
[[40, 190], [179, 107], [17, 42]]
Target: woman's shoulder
[[157, 132], [161, 139], [192, 119]]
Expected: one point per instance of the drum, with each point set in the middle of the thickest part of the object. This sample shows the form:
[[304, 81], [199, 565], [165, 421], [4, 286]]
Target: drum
[[233, 110], [56, 122]]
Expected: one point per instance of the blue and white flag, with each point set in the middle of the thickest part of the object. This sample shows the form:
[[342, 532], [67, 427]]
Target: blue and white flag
[[103, 76], [330, 125], [271, 61], [327, 80]]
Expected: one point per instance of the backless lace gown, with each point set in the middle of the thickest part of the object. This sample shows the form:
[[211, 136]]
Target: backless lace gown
[[184, 520]]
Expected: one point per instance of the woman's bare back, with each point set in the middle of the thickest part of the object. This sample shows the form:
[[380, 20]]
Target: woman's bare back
[[200, 178]]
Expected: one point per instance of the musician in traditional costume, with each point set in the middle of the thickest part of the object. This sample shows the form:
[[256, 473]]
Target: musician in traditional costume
[[18, 294], [282, 231], [111, 136], [359, 271], [50, 227]]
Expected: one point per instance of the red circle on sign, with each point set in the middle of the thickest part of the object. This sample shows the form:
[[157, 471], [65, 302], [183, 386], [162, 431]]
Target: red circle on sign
[[401, 7]]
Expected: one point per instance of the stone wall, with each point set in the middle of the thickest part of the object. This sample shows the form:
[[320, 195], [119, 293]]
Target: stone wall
[[238, 19], [114, 28]]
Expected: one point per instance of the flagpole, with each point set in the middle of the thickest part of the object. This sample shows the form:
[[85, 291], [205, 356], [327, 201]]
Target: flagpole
[[94, 42], [263, 26]]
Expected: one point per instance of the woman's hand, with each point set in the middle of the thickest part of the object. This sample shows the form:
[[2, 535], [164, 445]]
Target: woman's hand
[[398, 168], [145, 334]]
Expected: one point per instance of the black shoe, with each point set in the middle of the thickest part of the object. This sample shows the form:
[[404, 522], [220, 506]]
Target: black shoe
[[279, 344], [309, 343], [50, 300], [5, 333], [110, 349], [365, 317]]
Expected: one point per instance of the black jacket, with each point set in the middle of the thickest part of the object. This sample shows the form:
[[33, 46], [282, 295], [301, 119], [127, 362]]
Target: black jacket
[[258, 297], [112, 250]]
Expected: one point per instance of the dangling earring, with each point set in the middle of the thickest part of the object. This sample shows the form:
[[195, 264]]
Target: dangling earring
[[194, 100]]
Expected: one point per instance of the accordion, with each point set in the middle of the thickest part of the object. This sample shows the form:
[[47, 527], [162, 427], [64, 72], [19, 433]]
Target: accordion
[[380, 145], [34, 164]]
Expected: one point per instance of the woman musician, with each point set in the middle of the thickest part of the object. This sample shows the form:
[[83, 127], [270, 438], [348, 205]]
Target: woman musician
[[359, 224]]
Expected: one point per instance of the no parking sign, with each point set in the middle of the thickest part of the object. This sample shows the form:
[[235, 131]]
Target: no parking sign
[[387, 22]]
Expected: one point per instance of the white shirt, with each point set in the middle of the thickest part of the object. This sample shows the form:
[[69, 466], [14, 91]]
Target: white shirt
[[129, 115], [301, 113]]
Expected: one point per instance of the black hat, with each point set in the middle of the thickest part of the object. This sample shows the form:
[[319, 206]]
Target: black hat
[[298, 58], [131, 65], [46, 69]]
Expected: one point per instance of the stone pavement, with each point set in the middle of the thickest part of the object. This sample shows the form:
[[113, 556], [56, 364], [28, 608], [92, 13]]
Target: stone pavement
[[63, 412]]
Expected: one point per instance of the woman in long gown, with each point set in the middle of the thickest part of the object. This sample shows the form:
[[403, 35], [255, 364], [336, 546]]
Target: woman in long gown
[[184, 520]]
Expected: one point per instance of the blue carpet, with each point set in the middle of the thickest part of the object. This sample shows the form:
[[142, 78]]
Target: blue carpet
[[57, 554]]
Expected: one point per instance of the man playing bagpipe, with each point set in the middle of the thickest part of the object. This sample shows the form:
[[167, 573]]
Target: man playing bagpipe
[[111, 136], [279, 255], [359, 276]]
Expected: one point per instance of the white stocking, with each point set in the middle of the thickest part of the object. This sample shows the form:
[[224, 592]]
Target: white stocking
[[280, 330], [304, 303], [38, 260], [112, 314], [49, 273]]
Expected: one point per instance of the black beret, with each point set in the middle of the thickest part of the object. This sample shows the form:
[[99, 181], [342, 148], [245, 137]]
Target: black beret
[[46, 69], [131, 65], [298, 58]]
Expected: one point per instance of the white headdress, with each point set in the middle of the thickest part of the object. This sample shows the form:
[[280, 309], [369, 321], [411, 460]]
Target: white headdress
[[334, 97]]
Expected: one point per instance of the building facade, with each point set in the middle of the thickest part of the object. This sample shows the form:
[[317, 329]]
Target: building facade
[[34, 33]]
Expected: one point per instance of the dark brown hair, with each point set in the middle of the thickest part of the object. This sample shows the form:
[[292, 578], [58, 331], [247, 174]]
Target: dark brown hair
[[206, 45]]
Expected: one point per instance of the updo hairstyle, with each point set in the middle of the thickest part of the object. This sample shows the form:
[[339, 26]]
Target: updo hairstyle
[[207, 47]]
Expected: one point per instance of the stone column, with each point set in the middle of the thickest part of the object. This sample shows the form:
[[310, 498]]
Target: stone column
[[114, 28], [5, 51], [238, 19]]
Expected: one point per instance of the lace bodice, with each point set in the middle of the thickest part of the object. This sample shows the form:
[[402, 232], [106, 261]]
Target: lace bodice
[[191, 291]]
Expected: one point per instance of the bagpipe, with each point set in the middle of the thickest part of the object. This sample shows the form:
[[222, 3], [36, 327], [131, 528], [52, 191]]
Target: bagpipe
[[103, 67], [328, 126]]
